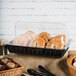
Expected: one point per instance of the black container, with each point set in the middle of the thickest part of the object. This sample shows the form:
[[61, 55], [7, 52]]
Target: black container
[[53, 28], [57, 53]]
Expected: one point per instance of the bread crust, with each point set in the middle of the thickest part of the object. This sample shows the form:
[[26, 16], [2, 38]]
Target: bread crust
[[57, 42], [46, 36], [38, 42]]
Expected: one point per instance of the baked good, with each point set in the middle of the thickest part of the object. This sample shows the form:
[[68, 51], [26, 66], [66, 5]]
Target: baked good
[[30, 33], [20, 40], [57, 42], [61, 38], [29, 36], [38, 42], [24, 39], [5, 60], [46, 36], [2, 67], [11, 65]]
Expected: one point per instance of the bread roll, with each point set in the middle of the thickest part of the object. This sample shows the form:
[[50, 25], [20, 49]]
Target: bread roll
[[38, 42], [57, 42], [24, 39], [46, 36]]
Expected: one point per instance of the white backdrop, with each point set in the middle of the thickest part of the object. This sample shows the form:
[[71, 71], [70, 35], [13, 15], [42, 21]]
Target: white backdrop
[[12, 11]]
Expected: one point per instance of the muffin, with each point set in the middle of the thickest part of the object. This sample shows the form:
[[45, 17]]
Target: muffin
[[38, 42], [46, 36], [57, 42], [2, 67], [11, 65]]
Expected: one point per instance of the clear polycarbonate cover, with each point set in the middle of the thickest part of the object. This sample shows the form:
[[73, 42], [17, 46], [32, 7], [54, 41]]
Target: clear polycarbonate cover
[[53, 28]]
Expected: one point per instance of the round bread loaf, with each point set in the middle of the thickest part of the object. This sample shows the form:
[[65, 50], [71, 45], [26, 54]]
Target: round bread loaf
[[57, 42], [46, 36], [38, 42], [24, 39], [11, 65], [20, 40]]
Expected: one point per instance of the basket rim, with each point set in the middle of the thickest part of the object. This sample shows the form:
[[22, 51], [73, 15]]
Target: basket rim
[[20, 68], [9, 70], [73, 56]]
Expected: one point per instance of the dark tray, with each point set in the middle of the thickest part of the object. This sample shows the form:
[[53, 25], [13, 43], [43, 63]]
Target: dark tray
[[36, 51]]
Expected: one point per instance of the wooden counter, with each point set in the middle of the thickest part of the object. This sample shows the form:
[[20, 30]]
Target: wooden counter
[[57, 66]]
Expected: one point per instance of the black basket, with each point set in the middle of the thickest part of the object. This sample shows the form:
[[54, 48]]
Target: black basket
[[57, 53]]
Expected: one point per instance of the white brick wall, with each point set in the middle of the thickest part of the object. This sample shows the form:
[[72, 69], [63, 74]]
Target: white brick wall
[[63, 11]]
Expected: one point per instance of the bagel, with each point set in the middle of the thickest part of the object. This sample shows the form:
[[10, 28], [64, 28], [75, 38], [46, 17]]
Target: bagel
[[24, 39], [46, 36], [38, 42], [57, 42]]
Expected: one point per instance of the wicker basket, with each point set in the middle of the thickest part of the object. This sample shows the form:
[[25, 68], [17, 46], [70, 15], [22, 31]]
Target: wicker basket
[[12, 72], [71, 68]]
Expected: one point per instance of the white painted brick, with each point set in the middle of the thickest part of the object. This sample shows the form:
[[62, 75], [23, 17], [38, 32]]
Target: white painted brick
[[12, 11]]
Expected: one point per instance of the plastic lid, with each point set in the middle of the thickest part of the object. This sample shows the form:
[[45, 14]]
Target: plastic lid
[[53, 28]]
